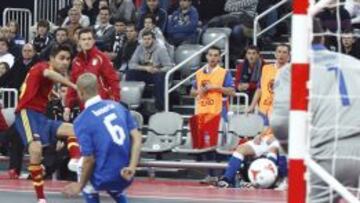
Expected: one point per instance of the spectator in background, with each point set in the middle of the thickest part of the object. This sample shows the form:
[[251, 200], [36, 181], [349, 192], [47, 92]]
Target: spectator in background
[[353, 7], [92, 60], [61, 37], [84, 19], [329, 20], [16, 76], [122, 9], [152, 8], [127, 52], [4, 67], [15, 34], [5, 56], [182, 24], [248, 73], [13, 48], [42, 38], [118, 42], [150, 26], [104, 31], [349, 45], [149, 63], [74, 22]]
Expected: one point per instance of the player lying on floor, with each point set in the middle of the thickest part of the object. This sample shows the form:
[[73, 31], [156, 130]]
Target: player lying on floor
[[264, 144]]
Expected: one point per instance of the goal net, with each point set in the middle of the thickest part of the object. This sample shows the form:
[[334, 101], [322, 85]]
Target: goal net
[[324, 140]]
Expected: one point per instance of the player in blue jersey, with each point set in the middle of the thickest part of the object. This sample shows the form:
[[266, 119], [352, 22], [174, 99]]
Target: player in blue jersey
[[110, 145]]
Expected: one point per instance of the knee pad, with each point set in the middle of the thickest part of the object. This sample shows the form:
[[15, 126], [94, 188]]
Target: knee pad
[[90, 194]]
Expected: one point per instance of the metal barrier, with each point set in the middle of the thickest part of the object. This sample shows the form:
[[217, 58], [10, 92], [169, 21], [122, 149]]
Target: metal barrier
[[263, 14], [178, 66], [48, 9], [22, 16], [8, 98]]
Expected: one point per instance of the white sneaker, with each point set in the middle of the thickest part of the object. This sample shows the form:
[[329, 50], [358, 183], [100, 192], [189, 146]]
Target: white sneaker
[[42, 201], [73, 165]]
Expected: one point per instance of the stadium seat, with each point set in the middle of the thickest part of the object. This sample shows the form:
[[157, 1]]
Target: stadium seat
[[131, 93], [138, 118], [185, 51], [187, 148], [163, 132], [240, 125], [212, 33]]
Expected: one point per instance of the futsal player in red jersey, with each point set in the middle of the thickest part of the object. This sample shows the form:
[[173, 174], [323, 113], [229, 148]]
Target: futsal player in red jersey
[[35, 129]]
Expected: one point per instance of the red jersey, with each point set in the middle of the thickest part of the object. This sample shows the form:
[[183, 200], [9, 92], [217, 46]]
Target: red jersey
[[35, 90], [96, 62]]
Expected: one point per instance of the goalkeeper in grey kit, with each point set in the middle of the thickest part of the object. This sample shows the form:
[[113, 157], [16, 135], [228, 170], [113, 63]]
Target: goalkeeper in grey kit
[[335, 126]]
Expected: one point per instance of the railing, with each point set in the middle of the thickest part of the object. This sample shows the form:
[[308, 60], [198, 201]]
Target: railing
[[257, 19], [22, 16], [178, 66], [8, 97], [48, 9]]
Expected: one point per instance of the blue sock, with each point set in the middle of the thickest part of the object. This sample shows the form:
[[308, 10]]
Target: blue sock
[[91, 197], [119, 197], [233, 166]]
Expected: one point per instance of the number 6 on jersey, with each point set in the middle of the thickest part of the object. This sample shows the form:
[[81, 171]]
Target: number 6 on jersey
[[117, 133]]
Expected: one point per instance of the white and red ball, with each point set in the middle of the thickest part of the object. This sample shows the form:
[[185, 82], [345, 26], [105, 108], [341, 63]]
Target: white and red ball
[[262, 173]]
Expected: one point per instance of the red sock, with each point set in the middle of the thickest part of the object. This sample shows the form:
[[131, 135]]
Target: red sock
[[73, 147], [36, 172]]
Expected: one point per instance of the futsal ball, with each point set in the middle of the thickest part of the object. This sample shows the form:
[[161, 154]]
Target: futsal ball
[[262, 173]]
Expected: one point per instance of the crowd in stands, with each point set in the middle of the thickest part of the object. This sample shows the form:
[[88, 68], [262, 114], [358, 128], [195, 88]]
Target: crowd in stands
[[140, 38]]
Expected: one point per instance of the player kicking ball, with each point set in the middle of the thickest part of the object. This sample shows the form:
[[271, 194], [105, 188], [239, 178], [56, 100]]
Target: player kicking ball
[[110, 145], [35, 129]]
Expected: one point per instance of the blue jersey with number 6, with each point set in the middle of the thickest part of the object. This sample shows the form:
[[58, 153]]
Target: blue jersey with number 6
[[103, 130]]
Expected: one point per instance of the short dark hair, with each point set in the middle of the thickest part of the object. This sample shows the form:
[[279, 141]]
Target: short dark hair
[[86, 30], [214, 48], [252, 47], [317, 29], [284, 45], [120, 20], [147, 33], [61, 29], [58, 48], [43, 23], [151, 16], [105, 8], [131, 24], [3, 39]]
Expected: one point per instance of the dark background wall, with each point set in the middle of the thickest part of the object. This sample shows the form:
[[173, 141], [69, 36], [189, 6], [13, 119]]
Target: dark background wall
[[15, 4]]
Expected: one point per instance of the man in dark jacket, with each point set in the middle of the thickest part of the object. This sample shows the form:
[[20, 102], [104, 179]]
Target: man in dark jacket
[[182, 24]]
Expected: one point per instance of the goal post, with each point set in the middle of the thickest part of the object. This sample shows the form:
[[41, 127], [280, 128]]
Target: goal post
[[298, 125]]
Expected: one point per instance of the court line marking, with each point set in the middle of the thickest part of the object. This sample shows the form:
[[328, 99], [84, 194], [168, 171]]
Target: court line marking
[[163, 198]]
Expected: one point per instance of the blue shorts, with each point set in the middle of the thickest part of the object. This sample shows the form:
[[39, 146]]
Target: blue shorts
[[35, 126]]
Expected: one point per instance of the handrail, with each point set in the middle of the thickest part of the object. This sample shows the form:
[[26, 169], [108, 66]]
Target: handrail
[[178, 66], [257, 19]]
